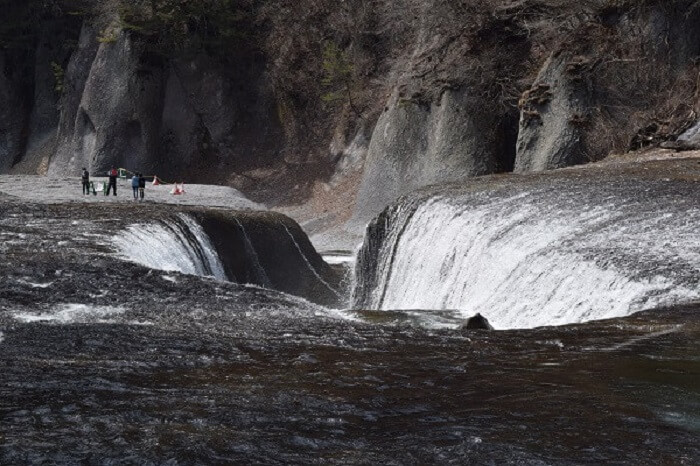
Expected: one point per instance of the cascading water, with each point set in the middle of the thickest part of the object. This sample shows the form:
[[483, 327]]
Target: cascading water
[[179, 244], [252, 253], [540, 257]]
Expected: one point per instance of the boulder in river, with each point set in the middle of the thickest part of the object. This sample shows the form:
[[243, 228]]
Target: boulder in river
[[477, 322]]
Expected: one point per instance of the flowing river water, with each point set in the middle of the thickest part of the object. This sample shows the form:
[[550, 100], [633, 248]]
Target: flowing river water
[[114, 353]]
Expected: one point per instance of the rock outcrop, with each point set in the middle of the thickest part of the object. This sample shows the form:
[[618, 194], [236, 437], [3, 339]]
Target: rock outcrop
[[115, 122], [13, 113], [130, 108], [386, 96], [415, 144], [689, 140], [271, 250], [553, 110], [477, 322], [624, 80]]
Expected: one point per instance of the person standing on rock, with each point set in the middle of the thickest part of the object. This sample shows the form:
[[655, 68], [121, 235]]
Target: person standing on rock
[[86, 181], [135, 182], [142, 185], [113, 173]]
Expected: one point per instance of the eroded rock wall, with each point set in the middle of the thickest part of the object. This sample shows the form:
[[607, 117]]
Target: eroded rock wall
[[416, 145], [174, 118], [624, 80], [115, 122], [384, 95]]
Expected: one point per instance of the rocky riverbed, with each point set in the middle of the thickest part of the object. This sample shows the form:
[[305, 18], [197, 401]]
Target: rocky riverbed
[[105, 360]]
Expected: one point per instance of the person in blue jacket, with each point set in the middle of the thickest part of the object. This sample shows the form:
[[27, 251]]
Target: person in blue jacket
[[135, 180]]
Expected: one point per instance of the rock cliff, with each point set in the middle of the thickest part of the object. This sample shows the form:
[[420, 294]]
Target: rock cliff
[[275, 97]]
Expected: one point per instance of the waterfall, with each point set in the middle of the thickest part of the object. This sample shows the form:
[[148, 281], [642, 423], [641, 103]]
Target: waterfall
[[250, 251], [545, 257], [178, 244]]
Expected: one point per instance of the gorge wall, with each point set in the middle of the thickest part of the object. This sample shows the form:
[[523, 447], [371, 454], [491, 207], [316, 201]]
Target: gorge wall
[[274, 97]]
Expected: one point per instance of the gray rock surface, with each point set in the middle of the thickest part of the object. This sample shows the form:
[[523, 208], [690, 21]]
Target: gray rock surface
[[44, 118], [53, 190], [74, 138], [692, 136], [117, 120], [549, 136], [689, 140], [416, 144], [182, 118]]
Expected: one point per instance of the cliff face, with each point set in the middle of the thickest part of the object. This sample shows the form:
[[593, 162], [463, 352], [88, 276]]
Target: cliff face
[[392, 94], [183, 117]]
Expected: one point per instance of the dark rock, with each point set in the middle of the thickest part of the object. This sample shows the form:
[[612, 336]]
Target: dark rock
[[178, 118], [13, 109], [271, 250], [51, 51], [477, 322], [117, 122]]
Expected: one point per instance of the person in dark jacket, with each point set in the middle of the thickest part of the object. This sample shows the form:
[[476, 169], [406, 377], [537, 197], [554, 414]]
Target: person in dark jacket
[[113, 173], [142, 185], [86, 181]]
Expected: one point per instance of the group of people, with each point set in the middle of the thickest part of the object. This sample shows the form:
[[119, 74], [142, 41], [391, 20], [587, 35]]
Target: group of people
[[138, 183]]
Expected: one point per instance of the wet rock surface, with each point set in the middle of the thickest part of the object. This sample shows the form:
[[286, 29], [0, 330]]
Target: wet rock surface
[[104, 360], [226, 374], [259, 248], [477, 322]]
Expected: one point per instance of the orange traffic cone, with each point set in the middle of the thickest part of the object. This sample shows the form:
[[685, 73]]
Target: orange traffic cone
[[176, 190], [155, 181]]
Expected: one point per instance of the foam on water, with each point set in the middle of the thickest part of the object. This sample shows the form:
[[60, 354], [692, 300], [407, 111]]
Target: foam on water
[[523, 264], [72, 314], [35, 285], [177, 245], [337, 259]]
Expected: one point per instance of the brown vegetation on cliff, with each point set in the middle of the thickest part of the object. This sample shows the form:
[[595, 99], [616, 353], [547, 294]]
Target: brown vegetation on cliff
[[631, 66]]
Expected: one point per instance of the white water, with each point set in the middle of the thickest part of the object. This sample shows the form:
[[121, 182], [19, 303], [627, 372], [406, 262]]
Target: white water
[[252, 253], [523, 263], [72, 314], [180, 245]]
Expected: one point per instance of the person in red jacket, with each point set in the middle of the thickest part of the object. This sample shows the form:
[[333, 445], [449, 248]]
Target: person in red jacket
[[113, 173]]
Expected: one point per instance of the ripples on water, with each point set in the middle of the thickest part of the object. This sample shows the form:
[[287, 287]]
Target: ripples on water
[[270, 381]]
